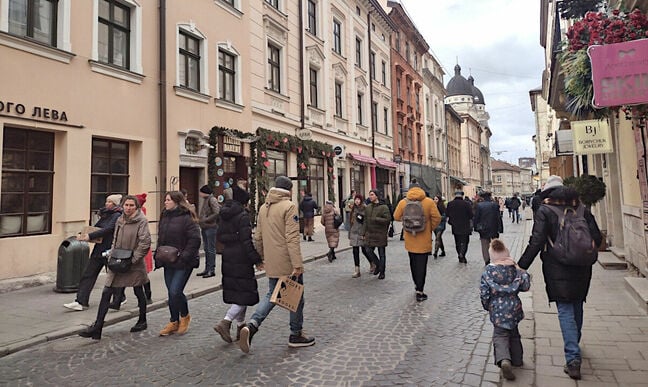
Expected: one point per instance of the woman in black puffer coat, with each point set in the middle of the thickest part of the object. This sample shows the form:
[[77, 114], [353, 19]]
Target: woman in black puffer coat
[[239, 258], [178, 227], [566, 285]]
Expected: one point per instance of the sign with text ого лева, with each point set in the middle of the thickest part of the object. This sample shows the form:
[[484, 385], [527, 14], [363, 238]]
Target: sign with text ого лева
[[620, 73], [591, 136]]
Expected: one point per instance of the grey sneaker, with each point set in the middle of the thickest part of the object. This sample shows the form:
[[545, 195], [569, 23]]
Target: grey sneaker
[[573, 369], [300, 340], [507, 369], [247, 332]]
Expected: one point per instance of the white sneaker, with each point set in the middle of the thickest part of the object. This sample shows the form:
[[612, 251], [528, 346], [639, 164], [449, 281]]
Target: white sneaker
[[75, 306]]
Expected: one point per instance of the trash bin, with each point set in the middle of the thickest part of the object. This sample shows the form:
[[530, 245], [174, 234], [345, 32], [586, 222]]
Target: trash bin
[[72, 259]]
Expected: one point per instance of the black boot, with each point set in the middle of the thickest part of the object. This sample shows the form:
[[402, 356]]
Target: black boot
[[209, 274], [147, 293], [140, 326], [93, 331], [310, 239], [202, 273]]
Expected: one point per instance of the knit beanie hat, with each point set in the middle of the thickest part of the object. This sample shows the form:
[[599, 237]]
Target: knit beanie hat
[[206, 189], [115, 199], [552, 182], [283, 182], [141, 198], [499, 254]]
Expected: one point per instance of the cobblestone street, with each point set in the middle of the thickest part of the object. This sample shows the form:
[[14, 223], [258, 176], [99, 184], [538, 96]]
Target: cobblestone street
[[368, 332]]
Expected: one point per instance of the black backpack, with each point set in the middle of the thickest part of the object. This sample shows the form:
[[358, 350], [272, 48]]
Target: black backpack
[[574, 245]]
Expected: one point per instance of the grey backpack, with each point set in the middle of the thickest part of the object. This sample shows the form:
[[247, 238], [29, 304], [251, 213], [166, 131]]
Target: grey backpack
[[574, 245], [413, 217]]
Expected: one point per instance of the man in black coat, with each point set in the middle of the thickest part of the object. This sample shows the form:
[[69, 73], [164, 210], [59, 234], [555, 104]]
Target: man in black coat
[[459, 214], [515, 208], [566, 285], [488, 223]]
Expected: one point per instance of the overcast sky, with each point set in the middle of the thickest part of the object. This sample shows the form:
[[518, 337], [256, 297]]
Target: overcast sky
[[497, 41]]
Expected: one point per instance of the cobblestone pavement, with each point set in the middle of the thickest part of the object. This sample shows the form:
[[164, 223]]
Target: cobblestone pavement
[[368, 332]]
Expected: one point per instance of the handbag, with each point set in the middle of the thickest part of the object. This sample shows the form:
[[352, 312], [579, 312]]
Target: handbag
[[120, 260], [390, 233], [337, 221], [167, 255]]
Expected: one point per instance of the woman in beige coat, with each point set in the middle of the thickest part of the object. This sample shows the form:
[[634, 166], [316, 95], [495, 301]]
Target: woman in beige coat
[[332, 233], [131, 233]]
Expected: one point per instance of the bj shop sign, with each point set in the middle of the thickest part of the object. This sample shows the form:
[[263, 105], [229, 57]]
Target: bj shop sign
[[620, 73]]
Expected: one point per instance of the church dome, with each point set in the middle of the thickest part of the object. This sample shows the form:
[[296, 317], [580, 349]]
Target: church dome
[[458, 85], [478, 97]]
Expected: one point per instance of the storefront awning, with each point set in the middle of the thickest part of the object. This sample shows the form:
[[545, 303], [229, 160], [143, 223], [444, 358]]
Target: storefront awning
[[362, 158], [386, 163], [458, 180]]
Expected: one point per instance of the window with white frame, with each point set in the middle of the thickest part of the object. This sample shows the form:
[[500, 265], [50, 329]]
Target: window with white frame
[[189, 61], [313, 83], [358, 52], [360, 108], [273, 3], [227, 75], [386, 120], [384, 73], [398, 88], [374, 116], [114, 33], [312, 17], [274, 68], [372, 65], [35, 19], [338, 99], [337, 36]]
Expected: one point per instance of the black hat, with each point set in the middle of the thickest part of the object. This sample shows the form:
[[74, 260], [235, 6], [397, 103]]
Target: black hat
[[206, 189], [283, 182], [240, 195]]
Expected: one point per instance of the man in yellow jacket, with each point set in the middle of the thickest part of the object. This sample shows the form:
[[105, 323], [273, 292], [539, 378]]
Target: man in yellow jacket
[[419, 244]]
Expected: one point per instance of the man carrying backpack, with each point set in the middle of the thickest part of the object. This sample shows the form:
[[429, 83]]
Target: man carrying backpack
[[420, 217], [567, 268]]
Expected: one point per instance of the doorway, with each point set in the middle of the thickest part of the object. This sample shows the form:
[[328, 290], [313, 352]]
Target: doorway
[[190, 180]]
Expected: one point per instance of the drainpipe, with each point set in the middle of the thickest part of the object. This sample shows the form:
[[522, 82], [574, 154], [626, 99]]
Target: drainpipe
[[373, 136], [301, 64], [162, 162]]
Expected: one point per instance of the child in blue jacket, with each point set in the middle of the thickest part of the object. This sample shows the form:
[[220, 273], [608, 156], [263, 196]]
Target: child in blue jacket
[[501, 282]]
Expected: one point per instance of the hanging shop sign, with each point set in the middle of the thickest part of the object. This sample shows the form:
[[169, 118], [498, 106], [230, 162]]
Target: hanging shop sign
[[591, 137], [620, 73], [304, 134]]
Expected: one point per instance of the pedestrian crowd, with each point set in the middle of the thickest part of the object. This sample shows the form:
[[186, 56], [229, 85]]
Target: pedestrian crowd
[[122, 234]]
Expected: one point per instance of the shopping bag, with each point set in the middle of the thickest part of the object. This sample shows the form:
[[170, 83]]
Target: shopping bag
[[287, 293]]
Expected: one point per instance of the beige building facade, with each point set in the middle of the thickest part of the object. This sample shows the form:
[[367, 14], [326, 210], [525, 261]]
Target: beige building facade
[[436, 136]]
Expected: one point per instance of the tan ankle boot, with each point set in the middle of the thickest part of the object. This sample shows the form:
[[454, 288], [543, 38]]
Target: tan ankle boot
[[223, 329], [170, 328], [356, 272], [238, 331], [183, 327], [372, 268]]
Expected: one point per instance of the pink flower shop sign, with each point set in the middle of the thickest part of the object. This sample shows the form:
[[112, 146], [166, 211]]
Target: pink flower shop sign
[[620, 73]]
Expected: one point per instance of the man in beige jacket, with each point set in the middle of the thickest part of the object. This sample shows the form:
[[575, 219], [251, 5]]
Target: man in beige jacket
[[277, 241]]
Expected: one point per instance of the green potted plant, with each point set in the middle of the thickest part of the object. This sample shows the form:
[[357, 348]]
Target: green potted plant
[[590, 188]]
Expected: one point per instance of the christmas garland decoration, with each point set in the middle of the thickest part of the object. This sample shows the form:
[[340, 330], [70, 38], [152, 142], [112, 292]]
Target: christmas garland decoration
[[262, 141]]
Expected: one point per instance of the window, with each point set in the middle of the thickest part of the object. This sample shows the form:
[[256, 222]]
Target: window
[[27, 181], [398, 88], [278, 165], [374, 116], [358, 52], [418, 100], [338, 99], [357, 178], [313, 87], [415, 62], [419, 147], [274, 68], [408, 95], [386, 120], [114, 33], [226, 76], [316, 178], [109, 171], [273, 3], [372, 65], [397, 41], [36, 19], [384, 73], [358, 11], [337, 37], [410, 144], [360, 118], [312, 17], [230, 2], [407, 52], [189, 64], [427, 105], [401, 139]]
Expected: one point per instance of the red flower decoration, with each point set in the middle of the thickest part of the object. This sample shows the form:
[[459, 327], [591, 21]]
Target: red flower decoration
[[302, 166], [285, 140], [276, 143], [323, 153], [299, 149], [263, 154], [266, 163]]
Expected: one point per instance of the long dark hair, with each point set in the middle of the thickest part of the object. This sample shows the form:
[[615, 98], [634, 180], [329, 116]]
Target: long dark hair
[[440, 205], [179, 199]]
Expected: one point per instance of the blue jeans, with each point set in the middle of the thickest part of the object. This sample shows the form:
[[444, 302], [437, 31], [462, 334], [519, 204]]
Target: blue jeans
[[265, 306], [176, 280], [570, 316], [209, 245]]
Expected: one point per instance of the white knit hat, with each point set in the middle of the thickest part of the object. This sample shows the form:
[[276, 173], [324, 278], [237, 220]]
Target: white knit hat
[[115, 199], [552, 182]]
